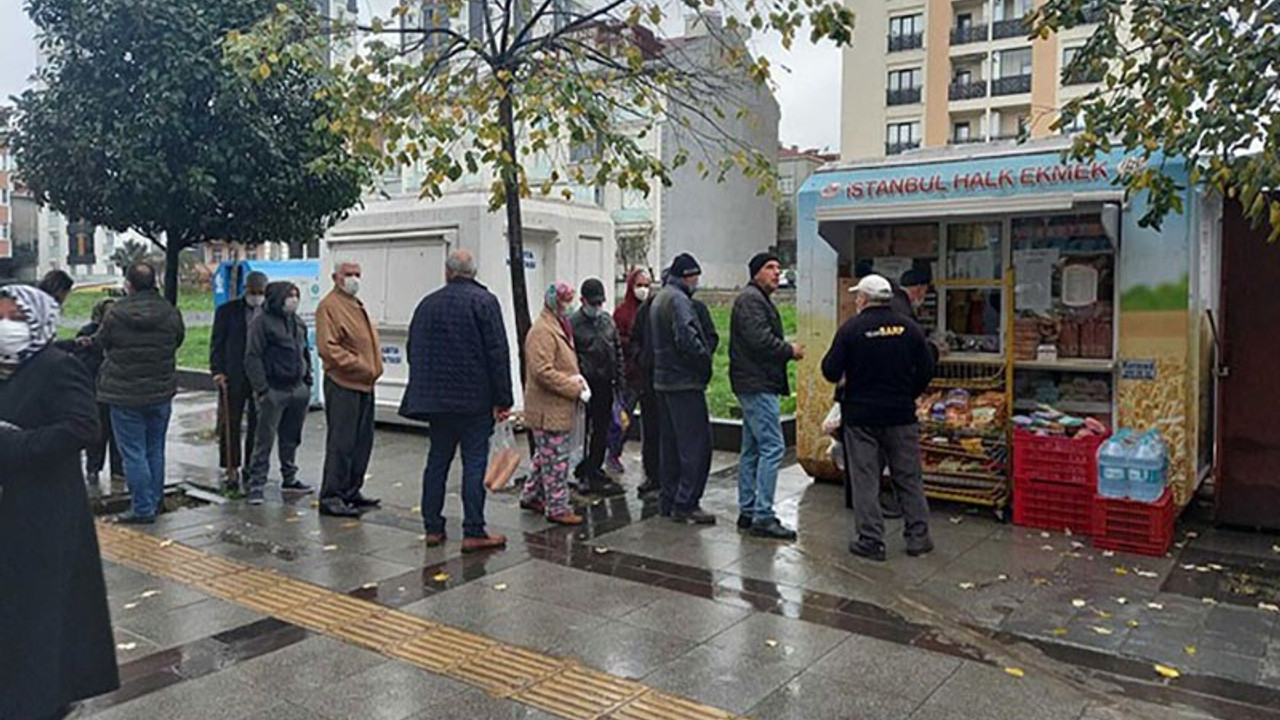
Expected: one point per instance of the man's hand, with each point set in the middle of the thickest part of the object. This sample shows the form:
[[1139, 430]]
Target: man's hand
[[797, 351], [220, 380], [501, 414], [85, 341]]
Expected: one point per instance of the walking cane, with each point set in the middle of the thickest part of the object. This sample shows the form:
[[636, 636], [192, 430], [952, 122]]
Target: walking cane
[[224, 411]]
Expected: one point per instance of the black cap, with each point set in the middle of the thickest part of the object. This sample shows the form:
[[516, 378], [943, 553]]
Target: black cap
[[592, 291], [760, 260], [685, 266], [914, 276]]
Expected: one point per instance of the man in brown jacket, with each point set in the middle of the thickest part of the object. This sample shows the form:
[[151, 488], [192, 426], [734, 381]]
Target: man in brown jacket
[[348, 345]]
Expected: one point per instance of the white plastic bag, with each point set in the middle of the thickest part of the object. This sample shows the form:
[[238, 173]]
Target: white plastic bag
[[831, 425], [504, 457], [578, 436], [836, 453]]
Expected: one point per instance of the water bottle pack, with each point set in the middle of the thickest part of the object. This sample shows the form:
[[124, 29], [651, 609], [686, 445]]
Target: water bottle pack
[[1133, 466]]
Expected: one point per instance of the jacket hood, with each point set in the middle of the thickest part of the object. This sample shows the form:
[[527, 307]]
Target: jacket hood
[[277, 293]]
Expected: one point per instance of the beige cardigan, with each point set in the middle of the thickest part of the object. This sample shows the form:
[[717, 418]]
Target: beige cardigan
[[551, 391]]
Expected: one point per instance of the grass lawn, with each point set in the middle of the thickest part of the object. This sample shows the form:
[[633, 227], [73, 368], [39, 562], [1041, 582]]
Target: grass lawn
[[193, 354], [720, 399], [79, 305]]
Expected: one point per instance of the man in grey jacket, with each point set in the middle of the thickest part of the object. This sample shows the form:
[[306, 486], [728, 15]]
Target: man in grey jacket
[[595, 339], [277, 362], [140, 338], [758, 357], [682, 357]]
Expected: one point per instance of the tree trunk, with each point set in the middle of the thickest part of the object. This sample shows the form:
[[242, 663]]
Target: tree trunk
[[515, 226], [172, 252]]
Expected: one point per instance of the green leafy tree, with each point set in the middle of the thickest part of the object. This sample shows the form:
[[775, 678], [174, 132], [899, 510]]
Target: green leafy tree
[[137, 123], [545, 97], [1180, 79]]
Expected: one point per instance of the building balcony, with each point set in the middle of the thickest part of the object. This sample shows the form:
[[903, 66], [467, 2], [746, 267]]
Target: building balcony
[[1007, 135], [971, 140], [897, 148], [968, 35], [898, 43], [902, 96], [967, 90], [1014, 85], [1016, 27]]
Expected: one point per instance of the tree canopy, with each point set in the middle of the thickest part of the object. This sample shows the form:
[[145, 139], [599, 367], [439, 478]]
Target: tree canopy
[[137, 123], [1190, 80]]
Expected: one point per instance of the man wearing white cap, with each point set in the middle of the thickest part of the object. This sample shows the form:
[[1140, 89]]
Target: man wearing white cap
[[886, 364]]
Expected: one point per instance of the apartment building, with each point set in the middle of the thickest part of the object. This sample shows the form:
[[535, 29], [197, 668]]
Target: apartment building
[[929, 73], [6, 205]]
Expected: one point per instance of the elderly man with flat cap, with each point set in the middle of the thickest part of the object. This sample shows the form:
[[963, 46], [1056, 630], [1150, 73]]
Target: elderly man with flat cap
[[235, 396]]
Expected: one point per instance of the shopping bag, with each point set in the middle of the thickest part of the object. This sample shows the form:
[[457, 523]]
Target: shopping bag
[[504, 457], [831, 425], [836, 454], [578, 436], [619, 423]]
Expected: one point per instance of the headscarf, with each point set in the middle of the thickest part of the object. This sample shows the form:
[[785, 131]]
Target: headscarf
[[558, 299], [42, 314]]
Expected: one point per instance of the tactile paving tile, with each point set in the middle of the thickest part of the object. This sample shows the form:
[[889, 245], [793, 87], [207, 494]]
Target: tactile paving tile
[[383, 631], [580, 694], [654, 705], [507, 670], [442, 648]]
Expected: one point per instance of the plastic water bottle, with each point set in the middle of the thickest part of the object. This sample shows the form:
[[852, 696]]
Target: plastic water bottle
[[1113, 466], [1147, 468]]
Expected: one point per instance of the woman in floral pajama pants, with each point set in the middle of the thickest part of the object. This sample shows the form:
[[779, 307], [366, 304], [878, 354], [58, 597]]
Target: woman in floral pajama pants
[[553, 389]]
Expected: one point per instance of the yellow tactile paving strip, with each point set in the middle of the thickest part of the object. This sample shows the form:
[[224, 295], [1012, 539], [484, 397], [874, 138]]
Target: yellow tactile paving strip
[[558, 686]]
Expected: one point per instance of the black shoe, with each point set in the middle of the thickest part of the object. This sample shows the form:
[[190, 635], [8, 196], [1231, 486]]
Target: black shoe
[[745, 522], [365, 502], [648, 489], [605, 487], [296, 486], [868, 550], [890, 508], [337, 508], [130, 519], [697, 516], [773, 530], [255, 497], [919, 546]]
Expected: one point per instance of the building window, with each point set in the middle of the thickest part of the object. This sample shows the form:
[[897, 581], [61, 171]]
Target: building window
[[1077, 76], [904, 86], [1014, 63], [961, 132], [251, 252], [787, 186], [215, 253], [906, 32], [900, 137]]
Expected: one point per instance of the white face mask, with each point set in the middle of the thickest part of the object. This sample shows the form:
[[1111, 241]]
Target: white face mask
[[351, 284], [642, 293], [291, 305], [15, 336], [254, 300]]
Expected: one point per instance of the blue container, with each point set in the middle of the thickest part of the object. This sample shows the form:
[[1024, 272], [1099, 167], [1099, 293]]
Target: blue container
[[1113, 465], [1148, 468]]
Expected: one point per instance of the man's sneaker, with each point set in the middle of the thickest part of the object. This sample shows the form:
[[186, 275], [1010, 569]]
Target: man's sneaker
[[745, 521], [614, 466], [919, 546], [868, 550], [648, 489], [697, 516], [130, 518], [773, 529], [492, 541], [255, 497], [296, 486], [362, 501], [435, 539], [334, 507]]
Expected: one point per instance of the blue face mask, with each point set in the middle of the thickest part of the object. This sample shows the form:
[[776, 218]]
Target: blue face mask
[[591, 311]]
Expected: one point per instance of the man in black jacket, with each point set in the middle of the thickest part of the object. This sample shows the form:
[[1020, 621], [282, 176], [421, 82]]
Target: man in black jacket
[[595, 338], [682, 355], [758, 357], [140, 338], [885, 362], [278, 364], [226, 363]]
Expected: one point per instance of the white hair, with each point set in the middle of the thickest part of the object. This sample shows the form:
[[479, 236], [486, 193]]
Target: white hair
[[461, 264]]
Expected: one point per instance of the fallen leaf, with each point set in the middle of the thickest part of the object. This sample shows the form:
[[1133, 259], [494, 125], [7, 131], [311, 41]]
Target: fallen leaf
[[1002, 577], [1147, 573], [1108, 553], [1166, 671], [130, 606], [149, 593], [1041, 581], [1122, 600], [1045, 535], [1275, 549], [1059, 632], [771, 643], [330, 548], [956, 520], [1016, 672], [1269, 607], [1078, 603], [1077, 544], [1103, 614], [601, 550], [126, 646], [1122, 571], [1101, 630], [368, 476], [1155, 606], [1216, 567], [1179, 545], [399, 484], [966, 586], [1190, 649], [500, 587], [400, 589], [349, 524], [1047, 548], [293, 519], [1188, 567], [1133, 623], [1208, 601], [440, 577], [1067, 532], [416, 509], [422, 537], [1192, 534], [369, 586]]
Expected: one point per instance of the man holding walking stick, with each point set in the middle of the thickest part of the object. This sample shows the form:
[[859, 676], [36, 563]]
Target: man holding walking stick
[[235, 396]]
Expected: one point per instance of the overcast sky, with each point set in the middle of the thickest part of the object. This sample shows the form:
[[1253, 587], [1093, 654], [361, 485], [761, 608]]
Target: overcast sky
[[808, 79]]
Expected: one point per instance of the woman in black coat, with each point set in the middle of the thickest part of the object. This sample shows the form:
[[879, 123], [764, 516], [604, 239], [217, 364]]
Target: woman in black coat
[[56, 645]]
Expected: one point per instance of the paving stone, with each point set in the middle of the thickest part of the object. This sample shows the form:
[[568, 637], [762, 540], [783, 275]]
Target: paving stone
[[980, 691], [692, 618], [391, 691], [477, 705], [779, 640], [219, 696], [187, 623], [724, 679], [295, 672], [344, 572], [470, 606], [537, 625], [1244, 668], [285, 711], [623, 650], [886, 667], [814, 697]]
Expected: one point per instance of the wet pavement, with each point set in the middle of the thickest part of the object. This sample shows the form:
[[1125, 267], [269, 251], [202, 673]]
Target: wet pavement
[[999, 622]]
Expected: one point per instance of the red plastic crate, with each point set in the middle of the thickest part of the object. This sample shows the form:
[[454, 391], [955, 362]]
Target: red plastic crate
[[1056, 459], [1053, 505], [1136, 527]]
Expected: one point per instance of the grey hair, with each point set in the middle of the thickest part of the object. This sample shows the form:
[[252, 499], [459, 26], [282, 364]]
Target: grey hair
[[461, 264]]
